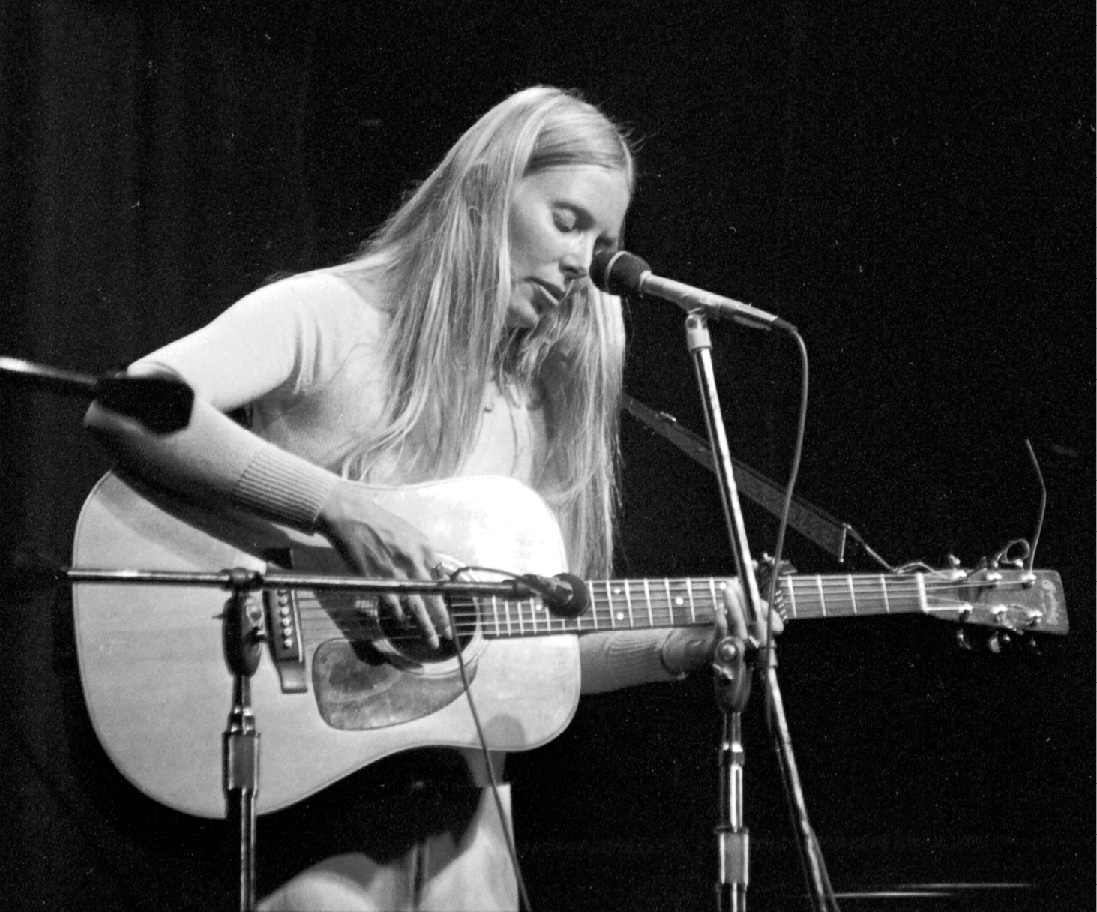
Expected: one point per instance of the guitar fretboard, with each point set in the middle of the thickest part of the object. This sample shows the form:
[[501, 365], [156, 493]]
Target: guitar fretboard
[[649, 603]]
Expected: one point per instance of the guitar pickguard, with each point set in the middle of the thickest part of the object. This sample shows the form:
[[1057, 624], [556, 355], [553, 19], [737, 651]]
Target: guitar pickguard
[[359, 689]]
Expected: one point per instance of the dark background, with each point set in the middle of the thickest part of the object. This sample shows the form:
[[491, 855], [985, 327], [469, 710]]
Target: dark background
[[911, 184]]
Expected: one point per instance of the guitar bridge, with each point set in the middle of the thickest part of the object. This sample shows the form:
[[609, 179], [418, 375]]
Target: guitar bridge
[[284, 630], [283, 623]]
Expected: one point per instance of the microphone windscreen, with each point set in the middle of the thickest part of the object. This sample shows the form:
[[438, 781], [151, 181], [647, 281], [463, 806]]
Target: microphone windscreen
[[618, 272], [160, 403]]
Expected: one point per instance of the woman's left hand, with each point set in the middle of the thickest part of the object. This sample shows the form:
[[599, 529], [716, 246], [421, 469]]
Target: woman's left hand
[[687, 649]]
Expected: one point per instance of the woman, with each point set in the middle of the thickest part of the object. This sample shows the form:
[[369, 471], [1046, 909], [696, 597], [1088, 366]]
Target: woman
[[466, 339]]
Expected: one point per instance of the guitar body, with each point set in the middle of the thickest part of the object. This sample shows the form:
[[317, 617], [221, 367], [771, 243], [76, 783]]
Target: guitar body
[[159, 691]]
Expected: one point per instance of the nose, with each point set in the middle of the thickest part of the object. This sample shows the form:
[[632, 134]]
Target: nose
[[575, 263]]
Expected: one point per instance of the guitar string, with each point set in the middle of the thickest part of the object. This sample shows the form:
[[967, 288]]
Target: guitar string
[[532, 619], [807, 591], [362, 631]]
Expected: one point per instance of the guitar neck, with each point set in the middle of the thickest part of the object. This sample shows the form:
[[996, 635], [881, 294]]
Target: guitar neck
[[1011, 599]]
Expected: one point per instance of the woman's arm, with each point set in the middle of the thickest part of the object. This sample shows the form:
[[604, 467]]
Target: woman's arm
[[618, 659], [269, 343]]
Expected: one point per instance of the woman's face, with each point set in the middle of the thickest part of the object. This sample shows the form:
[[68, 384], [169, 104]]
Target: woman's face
[[558, 219]]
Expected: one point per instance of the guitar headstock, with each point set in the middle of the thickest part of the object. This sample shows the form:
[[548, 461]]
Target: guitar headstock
[[1019, 601]]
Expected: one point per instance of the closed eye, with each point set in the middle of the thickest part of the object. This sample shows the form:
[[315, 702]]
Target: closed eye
[[565, 220], [568, 219]]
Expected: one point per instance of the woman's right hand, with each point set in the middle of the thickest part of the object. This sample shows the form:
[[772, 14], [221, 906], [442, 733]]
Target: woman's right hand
[[380, 545]]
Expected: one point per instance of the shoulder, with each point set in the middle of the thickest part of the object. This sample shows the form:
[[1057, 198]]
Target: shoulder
[[284, 338], [326, 319], [326, 298], [320, 315]]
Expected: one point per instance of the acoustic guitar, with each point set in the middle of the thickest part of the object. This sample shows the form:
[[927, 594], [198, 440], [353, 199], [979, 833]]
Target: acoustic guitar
[[339, 686]]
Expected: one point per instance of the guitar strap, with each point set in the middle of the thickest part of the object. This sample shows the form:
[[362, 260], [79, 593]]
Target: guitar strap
[[830, 534]]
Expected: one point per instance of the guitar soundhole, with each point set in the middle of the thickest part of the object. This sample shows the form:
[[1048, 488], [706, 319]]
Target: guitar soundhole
[[408, 639]]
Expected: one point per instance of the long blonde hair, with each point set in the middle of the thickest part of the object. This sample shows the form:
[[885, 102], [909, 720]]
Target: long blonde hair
[[444, 263]]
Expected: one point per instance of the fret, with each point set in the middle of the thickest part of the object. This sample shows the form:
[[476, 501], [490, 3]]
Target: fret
[[887, 603], [923, 605], [628, 602], [647, 598], [597, 612], [670, 600], [793, 610], [822, 595], [562, 624], [495, 613], [620, 617], [715, 597], [852, 596], [692, 606]]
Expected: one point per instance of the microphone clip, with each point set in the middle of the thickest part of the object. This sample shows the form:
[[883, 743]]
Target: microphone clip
[[564, 594]]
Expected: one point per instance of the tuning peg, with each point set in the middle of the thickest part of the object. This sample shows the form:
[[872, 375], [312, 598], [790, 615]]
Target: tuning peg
[[963, 640], [999, 641]]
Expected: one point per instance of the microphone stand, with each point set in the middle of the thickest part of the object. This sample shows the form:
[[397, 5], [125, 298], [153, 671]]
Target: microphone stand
[[244, 630], [243, 633], [734, 657]]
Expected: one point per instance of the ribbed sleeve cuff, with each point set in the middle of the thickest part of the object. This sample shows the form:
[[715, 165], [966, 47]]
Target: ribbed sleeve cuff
[[611, 661], [284, 487]]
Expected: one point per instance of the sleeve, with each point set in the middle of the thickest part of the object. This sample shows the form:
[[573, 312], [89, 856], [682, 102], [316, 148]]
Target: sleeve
[[613, 660]]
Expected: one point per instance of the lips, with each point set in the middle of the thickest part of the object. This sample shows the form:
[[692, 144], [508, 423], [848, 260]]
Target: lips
[[555, 293]]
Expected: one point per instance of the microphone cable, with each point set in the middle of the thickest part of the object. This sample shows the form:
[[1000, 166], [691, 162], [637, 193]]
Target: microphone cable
[[812, 863], [493, 780]]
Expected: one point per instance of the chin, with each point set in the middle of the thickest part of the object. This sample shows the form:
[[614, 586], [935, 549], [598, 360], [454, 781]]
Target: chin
[[522, 317]]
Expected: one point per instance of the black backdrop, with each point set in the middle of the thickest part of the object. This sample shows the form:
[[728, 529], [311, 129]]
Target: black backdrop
[[910, 184]]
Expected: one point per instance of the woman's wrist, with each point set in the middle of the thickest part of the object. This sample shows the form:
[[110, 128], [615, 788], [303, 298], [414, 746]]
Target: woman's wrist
[[285, 487]]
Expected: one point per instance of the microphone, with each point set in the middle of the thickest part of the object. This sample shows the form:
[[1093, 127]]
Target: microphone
[[620, 272], [564, 595]]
